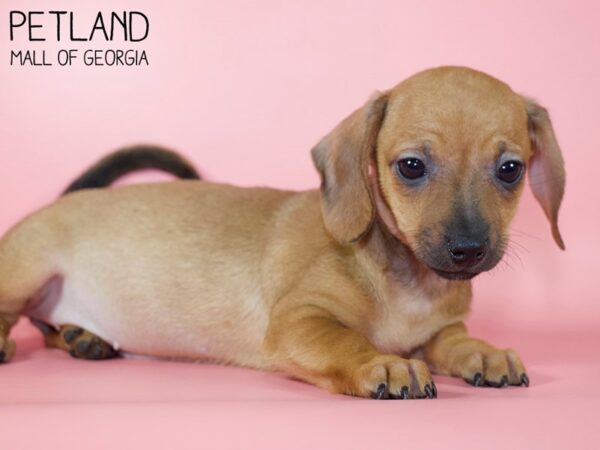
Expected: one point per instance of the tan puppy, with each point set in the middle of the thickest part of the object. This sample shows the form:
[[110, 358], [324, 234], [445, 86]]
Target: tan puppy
[[339, 287]]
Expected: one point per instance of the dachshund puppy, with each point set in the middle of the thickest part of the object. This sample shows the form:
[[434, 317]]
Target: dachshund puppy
[[360, 287]]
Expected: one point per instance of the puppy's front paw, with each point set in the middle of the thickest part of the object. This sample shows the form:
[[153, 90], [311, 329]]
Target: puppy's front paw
[[497, 368], [389, 376]]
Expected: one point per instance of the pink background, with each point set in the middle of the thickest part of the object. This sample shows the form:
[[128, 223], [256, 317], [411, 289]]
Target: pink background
[[245, 89]]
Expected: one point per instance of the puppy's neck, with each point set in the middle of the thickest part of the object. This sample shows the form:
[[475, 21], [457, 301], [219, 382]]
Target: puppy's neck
[[390, 254], [390, 267]]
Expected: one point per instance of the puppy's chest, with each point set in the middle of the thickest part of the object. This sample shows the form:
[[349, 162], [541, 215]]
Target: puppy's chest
[[407, 318]]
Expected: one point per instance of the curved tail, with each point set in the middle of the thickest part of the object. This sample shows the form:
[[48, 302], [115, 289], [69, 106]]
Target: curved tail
[[131, 159]]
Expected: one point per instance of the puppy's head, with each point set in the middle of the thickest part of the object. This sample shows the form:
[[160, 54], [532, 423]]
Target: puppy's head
[[441, 159]]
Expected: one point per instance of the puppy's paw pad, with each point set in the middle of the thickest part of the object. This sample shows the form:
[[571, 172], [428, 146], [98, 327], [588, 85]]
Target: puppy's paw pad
[[70, 334], [85, 345]]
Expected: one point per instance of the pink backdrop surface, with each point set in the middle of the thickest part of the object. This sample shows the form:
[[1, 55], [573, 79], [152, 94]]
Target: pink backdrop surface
[[245, 89]]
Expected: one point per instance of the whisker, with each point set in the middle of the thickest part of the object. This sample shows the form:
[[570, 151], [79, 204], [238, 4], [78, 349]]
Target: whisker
[[524, 234]]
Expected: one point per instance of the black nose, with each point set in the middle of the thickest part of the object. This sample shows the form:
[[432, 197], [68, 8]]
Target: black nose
[[466, 253]]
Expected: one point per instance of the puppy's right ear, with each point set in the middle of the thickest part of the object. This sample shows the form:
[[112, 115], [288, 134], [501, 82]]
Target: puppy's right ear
[[342, 159]]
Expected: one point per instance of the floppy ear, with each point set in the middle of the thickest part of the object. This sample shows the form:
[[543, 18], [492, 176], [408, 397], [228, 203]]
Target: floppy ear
[[342, 159], [546, 166]]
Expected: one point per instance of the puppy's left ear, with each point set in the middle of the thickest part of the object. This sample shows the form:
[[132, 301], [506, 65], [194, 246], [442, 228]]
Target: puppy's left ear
[[546, 166]]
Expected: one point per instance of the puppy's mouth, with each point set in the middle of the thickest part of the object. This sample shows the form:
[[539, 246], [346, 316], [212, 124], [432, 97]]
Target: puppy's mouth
[[459, 275]]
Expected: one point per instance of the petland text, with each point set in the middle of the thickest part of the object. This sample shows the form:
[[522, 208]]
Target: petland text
[[127, 27]]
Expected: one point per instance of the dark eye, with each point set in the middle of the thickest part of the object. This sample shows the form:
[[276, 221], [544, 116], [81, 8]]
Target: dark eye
[[410, 168], [510, 171]]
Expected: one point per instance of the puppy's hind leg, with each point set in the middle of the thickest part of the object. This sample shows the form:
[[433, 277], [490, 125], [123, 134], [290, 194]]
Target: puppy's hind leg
[[79, 343], [25, 266]]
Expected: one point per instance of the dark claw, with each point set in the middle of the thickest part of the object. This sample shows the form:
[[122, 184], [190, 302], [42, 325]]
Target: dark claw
[[428, 391], [380, 392], [504, 381], [71, 334], [434, 389], [404, 393], [476, 381], [2, 355], [525, 380]]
